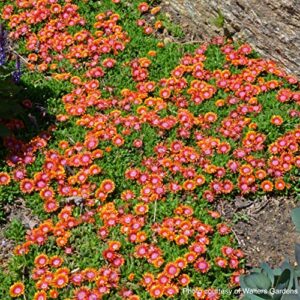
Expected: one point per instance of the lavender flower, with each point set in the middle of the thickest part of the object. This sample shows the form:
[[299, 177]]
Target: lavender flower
[[17, 73], [3, 36]]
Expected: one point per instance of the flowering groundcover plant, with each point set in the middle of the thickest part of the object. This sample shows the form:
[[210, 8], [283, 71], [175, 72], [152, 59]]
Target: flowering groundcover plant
[[147, 136]]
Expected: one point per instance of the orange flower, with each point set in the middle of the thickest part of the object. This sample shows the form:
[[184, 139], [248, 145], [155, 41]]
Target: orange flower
[[143, 7], [199, 179], [280, 184], [155, 10], [152, 53], [210, 117], [276, 120], [201, 265], [4, 178], [60, 281], [27, 186], [220, 103], [260, 174], [147, 280], [267, 186], [55, 8], [90, 274], [246, 170], [141, 209], [17, 289], [171, 270], [107, 186], [160, 45], [61, 241], [131, 276], [50, 205], [55, 261], [184, 279], [181, 262], [41, 260], [158, 25], [47, 193], [40, 295], [181, 239], [53, 294], [118, 140], [189, 185], [156, 291]]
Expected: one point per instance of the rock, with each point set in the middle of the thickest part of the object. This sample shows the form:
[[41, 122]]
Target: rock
[[272, 27]]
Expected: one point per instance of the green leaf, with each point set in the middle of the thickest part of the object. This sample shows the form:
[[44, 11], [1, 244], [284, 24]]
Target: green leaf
[[290, 297], [284, 280], [257, 281], [257, 297], [268, 271], [296, 217]]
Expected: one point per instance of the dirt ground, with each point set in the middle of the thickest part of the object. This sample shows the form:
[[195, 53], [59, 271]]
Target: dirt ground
[[263, 228]]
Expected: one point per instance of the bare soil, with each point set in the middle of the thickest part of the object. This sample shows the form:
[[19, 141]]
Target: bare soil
[[263, 228]]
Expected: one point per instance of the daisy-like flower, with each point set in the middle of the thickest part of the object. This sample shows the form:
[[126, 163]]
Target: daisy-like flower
[[189, 185], [41, 260], [221, 262], [60, 281], [90, 274], [246, 170], [81, 293], [280, 184], [27, 186], [184, 279], [147, 279], [40, 295], [118, 140], [53, 294], [156, 291], [181, 239], [223, 229], [19, 174], [276, 120], [190, 256], [181, 262], [141, 209], [171, 270], [210, 117], [267, 186], [202, 265], [47, 193], [170, 290], [4, 178], [107, 186], [17, 289], [199, 294], [50, 205], [55, 261]]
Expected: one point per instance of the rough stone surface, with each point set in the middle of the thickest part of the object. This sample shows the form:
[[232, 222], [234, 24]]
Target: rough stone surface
[[272, 27]]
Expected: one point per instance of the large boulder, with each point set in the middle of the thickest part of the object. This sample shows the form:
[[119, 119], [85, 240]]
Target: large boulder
[[272, 27]]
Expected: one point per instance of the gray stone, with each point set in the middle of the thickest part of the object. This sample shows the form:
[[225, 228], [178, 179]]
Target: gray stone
[[272, 27]]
